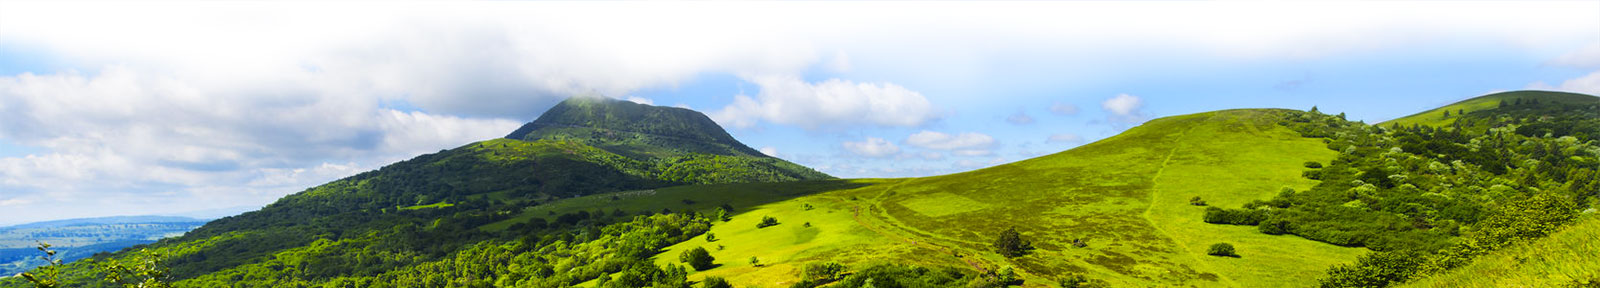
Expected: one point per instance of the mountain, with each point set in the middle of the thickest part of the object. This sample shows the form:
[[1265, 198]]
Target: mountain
[[79, 238], [632, 129], [442, 197], [603, 193]]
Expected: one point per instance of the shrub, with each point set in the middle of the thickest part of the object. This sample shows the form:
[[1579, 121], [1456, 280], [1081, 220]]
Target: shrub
[[823, 272], [1196, 201], [1221, 249], [767, 221], [711, 237], [715, 282], [697, 258], [1313, 164], [1274, 226]]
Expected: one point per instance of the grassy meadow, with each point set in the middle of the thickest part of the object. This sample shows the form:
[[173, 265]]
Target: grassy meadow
[[1127, 197], [1564, 259]]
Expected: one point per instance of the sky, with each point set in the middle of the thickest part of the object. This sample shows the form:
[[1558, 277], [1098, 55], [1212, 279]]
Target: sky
[[129, 108]]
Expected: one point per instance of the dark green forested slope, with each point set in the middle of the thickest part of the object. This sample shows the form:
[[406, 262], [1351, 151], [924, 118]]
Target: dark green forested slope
[[419, 210]]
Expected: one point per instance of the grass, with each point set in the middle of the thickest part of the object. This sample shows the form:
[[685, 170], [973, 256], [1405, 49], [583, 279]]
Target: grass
[[1127, 195], [1436, 116], [1564, 259], [434, 205]]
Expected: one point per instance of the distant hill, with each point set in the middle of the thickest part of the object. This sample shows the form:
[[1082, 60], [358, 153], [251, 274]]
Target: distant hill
[[79, 238], [1438, 117], [104, 221]]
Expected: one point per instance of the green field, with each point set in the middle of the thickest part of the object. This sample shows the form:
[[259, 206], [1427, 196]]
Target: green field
[[1564, 259], [1127, 195]]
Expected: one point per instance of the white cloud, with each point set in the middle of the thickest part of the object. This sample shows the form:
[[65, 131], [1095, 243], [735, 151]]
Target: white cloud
[[1586, 84], [1124, 109], [1064, 109], [1586, 57], [641, 100], [832, 103], [1020, 118], [1122, 104], [770, 151], [941, 141], [872, 147], [126, 136], [1068, 138], [931, 155]]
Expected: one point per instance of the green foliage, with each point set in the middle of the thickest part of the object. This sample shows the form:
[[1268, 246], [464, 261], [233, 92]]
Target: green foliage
[[1075, 280], [767, 221], [1313, 164], [906, 276], [1375, 270], [715, 282], [1011, 244], [146, 270], [48, 276], [823, 272], [697, 258], [1221, 249], [1196, 201]]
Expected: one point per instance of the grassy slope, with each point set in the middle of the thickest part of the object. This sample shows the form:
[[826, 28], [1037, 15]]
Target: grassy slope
[[1125, 194], [1565, 258], [1436, 117]]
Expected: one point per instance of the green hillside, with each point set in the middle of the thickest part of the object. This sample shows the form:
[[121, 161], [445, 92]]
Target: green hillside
[[1566, 258], [1127, 196], [1437, 117], [444, 196]]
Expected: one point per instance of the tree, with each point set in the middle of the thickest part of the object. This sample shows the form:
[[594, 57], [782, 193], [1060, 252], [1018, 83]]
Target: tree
[[767, 221], [715, 282], [1221, 249], [1446, 113], [697, 258], [755, 261], [711, 237], [1011, 243], [1196, 201]]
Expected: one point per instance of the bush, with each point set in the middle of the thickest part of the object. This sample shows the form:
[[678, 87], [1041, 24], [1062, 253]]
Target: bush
[[697, 258], [1221, 249], [1313, 164], [715, 282], [1196, 201], [1274, 227], [767, 221], [823, 272], [1216, 215], [1011, 243]]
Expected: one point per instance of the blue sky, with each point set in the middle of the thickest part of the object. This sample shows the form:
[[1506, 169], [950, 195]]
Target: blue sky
[[154, 108]]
